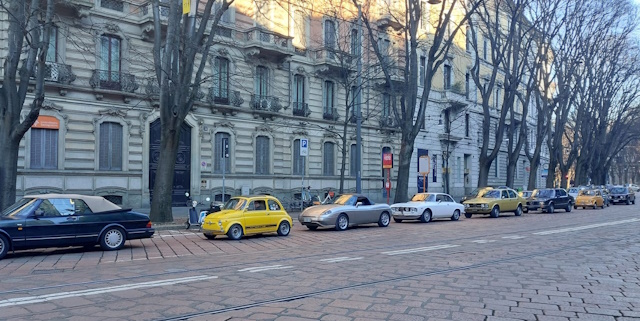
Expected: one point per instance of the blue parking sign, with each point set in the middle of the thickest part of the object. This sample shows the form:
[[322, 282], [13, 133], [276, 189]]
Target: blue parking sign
[[304, 147]]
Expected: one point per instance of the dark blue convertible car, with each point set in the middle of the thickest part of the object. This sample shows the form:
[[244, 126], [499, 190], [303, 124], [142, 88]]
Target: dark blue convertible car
[[56, 220]]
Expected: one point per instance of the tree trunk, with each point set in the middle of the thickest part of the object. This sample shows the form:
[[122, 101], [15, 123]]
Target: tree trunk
[[8, 168], [161, 209], [551, 171], [533, 173], [483, 170], [344, 153], [511, 170], [406, 151]]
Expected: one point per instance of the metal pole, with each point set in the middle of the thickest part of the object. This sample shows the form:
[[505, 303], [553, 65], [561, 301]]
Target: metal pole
[[302, 184], [358, 110], [224, 160]]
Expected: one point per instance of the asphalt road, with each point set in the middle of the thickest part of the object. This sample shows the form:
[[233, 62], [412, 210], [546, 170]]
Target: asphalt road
[[582, 265]]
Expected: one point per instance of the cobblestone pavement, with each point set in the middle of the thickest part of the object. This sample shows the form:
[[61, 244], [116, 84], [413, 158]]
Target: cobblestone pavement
[[583, 265]]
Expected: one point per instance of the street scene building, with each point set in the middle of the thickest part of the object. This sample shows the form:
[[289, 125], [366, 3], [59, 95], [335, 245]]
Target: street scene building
[[278, 75]]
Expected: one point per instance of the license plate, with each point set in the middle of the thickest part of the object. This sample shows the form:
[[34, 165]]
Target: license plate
[[306, 219]]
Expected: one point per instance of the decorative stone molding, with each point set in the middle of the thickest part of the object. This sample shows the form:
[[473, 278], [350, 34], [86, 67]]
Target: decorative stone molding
[[49, 105], [264, 128], [113, 112]]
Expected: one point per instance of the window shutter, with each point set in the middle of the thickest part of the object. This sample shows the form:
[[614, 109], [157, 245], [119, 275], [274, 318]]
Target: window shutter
[[50, 144], [328, 159], [116, 147], [262, 155], [297, 159]]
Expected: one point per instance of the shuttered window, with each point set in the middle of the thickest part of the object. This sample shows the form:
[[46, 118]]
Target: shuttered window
[[44, 148], [298, 161], [110, 146], [328, 157], [217, 157], [262, 155]]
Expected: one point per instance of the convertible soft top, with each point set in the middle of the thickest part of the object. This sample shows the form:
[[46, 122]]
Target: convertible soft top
[[96, 203]]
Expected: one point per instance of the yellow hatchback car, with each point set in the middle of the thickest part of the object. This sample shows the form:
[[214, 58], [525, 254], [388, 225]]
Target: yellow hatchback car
[[589, 198], [248, 215]]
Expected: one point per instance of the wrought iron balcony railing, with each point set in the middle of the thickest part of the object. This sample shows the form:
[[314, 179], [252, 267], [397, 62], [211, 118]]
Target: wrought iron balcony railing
[[267, 103], [386, 121], [57, 72], [330, 113], [113, 80], [301, 109]]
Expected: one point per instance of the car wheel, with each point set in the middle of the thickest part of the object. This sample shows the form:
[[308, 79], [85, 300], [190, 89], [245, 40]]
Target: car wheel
[[633, 202], [518, 211], [568, 208], [575, 207], [209, 237], [397, 220], [551, 209], [112, 239], [426, 216], [384, 219], [468, 215], [312, 227], [456, 215], [595, 206], [4, 246], [495, 212], [342, 222], [284, 228], [525, 210], [628, 202], [235, 232]]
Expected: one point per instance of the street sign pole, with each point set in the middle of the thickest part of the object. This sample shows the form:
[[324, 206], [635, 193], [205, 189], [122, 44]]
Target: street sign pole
[[304, 151], [225, 154]]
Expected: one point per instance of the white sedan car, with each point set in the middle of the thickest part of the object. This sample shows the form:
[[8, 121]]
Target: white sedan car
[[427, 206]]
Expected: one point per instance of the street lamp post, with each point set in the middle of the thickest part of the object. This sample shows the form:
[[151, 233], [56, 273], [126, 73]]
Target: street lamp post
[[358, 111]]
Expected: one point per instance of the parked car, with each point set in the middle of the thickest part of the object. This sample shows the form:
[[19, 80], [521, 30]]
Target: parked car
[[550, 199], [494, 201], [475, 193], [525, 194], [621, 194], [574, 191], [247, 215], [427, 206], [589, 198], [606, 195], [347, 210], [57, 220]]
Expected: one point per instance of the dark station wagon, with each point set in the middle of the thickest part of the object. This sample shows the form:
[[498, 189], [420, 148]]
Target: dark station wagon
[[57, 220]]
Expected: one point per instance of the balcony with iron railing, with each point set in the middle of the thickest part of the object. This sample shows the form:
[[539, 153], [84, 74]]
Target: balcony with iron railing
[[386, 121], [268, 44], [301, 109], [113, 80], [265, 103], [330, 113], [332, 61], [57, 72]]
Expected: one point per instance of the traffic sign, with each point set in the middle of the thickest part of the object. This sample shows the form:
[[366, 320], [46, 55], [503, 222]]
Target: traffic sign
[[304, 147]]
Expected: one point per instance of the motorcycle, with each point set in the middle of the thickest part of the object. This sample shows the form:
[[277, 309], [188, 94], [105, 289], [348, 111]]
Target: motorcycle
[[197, 217]]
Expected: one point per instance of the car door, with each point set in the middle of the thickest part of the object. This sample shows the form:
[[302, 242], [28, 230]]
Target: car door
[[564, 197], [450, 205], [364, 212], [274, 215], [90, 224], [255, 217], [439, 208], [52, 225], [506, 204]]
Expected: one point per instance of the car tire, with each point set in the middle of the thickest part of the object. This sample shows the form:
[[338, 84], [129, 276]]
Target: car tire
[[568, 208], [426, 216], [384, 219], [235, 232], [518, 211], [456, 215], [633, 202], [209, 237], [468, 215], [112, 239], [495, 212], [551, 208], [595, 206], [525, 210], [4, 246], [312, 227], [284, 228], [397, 220], [628, 202], [342, 223], [575, 207]]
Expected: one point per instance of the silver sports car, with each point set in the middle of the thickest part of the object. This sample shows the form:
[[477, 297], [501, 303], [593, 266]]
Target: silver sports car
[[347, 210]]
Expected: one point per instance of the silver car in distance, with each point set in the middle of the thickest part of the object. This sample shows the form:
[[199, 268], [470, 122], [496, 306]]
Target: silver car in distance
[[427, 206]]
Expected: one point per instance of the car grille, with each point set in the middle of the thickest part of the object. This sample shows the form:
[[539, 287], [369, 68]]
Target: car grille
[[475, 205]]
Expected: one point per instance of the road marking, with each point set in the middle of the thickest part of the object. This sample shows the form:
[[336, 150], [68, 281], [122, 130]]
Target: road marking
[[585, 227], [341, 259], [264, 268], [513, 237], [420, 249], [483, 241], [125, 287]]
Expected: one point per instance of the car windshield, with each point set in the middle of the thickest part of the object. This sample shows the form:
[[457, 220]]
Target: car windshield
[[422, 197], [587, 192], [573, 190], [543, 193], [618, 190], [492, 194], [345, 200], [235, 204], [18, 207]]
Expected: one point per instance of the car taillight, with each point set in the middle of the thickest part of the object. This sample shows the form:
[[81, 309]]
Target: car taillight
[[149, 224]]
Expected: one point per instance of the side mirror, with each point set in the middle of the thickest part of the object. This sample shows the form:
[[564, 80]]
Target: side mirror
[[358, 204]]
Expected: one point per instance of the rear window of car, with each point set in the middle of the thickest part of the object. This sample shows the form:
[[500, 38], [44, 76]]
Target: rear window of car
[[573, 190]]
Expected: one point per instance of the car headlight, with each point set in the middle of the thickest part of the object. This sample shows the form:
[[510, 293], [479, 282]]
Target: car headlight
[[395, 209], [327, 212], [541, 203], [484, 205], [466, 205], [413, 209]]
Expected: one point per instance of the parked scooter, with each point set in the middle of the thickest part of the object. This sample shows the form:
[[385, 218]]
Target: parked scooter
[[197, 217]]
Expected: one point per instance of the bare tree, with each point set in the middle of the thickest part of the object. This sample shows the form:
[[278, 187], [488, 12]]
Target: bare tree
[[29, 27], [410, 112], [179, 69]]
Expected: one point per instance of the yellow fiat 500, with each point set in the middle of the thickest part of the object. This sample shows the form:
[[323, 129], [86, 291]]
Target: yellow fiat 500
[[247, 215], [589, 198]]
